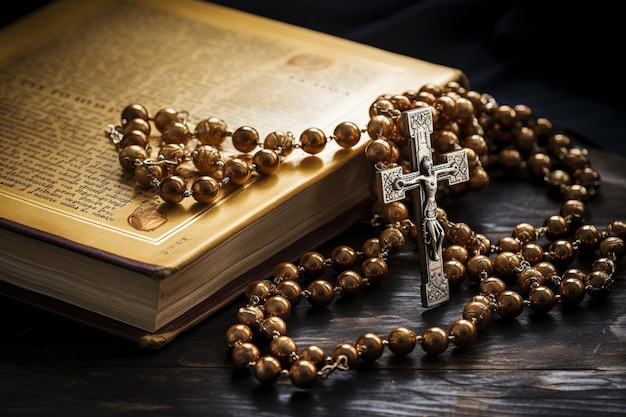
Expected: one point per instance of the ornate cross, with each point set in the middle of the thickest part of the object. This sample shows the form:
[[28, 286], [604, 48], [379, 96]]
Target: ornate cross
[[418, 125]]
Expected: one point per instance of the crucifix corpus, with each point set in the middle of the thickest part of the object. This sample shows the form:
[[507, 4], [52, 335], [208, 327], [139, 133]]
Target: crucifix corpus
[[418, 125]]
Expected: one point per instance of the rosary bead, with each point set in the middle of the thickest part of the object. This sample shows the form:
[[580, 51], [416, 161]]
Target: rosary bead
[[572, 290], [491, 286], [394, 212], [574, 159], [134, 111], [374, 270], [400, 102], [283, 348], [351, 283], [573, 209], [505, 116], [587, 177], [380, 127], [509, 304], [250, 316], [134, 137], [479, 179], [286, 271], [172, 152], [313, 263], [371, 248], [303, 374], [529, 278], [434, 340], [402, 341], [321, 293], [557, 143], [349, 352], [532, 252], [273, 326], [547, 269], [477, 143], [266, 370], [245, 139], [211, 131], [456, 252], [525, 233], [238, 333], [459, 234], [391, 239], [617, 229], [280, 142], [444, 141], [478, 313], [576, 192], [556, 227], [543, 128], [381, 106], [464, 333], [479, 265], [259, 288], [266, 161], [243, 354], [539, 165], [279, 306], [482, 298], [137, 124], [455, 271], [205, 189], [598, 284], [605, 265], [176, 132], [237, 171], [370, 347], [561, 253], [165, 117], [313, 141], [541, 299], [172, 190], [344, 257], [379, 151], [612, 246], [557, 181], [291, 291], [525, 140], [446, 106], [146, 175], [347, 134], [505, 265], [314, 354], [589, 236], [130, 154], [509, 244], [205, 158]]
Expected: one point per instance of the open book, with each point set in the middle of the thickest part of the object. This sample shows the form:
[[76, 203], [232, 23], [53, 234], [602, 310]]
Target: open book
[[69, 242]]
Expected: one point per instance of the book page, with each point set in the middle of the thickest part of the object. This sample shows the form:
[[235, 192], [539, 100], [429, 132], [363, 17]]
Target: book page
[[63, 88]]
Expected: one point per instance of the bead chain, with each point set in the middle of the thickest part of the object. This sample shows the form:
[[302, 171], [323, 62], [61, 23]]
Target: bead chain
[[542, 276], [201, 147]]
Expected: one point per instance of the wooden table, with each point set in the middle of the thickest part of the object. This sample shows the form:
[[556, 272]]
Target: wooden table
[[569, 362]]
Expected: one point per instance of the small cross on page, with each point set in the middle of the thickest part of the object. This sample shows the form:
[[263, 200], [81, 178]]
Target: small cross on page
[[422, 182]]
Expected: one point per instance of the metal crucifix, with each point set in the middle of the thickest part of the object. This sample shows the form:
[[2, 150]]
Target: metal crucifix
[[418, 125]]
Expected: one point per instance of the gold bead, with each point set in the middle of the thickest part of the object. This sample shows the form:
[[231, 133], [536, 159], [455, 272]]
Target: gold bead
[[459, 234], [509, 304], [598, 284], [205, 189], [547, 269], [238, 333], [478, 266], [380, 127], [478, 313], [245, 139], [273, 326], [243, 354], [576, 192], [434, 340], [283, 348], [556, 227], [402, 341], [349, 351], [506, 264], [391, 239], [313, 263], [313, 141], [464, 333], [532, 252], [172, 152], [287, 270], [134, 137], [529, 278], [541, 299], [147, 175], [561, 253], [258, 288], [479, 179], [134, 111], [456, 252], [455, 271], [491, 286], [588, 236], [605, 265], [573, 209], [211, 131], [176, 133], [280, 142], [279, 306], [612, 246], [314, 354], [344, 257], [374, 270], [205, 158], [370, 347], [350, 282], [617, 229], [394, 212], [139, 124], [266, 370], [130, 154], [347, 134], [303, 374], [321, 293], [291, 291], [371, 248], [266, 161], [165, 117], [237, 171], [572, 290], [525, 233], [379, 150], [250, 316], [172, 190], [508, 244], [557, 180]]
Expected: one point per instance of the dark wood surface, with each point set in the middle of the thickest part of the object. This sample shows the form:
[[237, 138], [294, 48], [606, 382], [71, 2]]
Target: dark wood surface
[[569, 362]]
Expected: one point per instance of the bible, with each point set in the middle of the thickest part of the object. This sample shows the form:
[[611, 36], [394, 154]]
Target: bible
[[81, 238]]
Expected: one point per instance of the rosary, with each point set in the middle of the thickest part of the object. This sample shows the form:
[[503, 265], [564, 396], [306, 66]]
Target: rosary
[[423, 142]]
